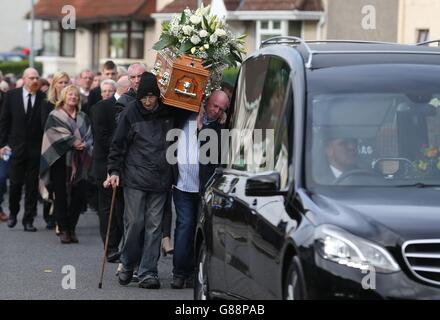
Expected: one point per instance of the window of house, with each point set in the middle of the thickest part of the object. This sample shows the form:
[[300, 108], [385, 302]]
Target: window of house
[[58, 41], [270, 28], [422, 35], [126, 40]]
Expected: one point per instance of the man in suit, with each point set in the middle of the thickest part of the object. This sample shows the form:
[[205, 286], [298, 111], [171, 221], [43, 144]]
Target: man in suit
[[103, 126], [135, 71], [109, 71], [21, 127], [85, 83], [339, 155]]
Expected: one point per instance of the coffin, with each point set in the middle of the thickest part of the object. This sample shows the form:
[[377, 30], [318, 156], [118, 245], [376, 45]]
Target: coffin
[[182, 80]]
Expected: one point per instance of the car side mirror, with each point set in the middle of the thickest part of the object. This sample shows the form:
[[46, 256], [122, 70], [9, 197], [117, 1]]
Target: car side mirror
[[264, 185]]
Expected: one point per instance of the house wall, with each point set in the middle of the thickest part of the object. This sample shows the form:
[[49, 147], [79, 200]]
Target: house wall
[[83, 49], [344, 20], [309, 30], [418, 14], [15, 29]]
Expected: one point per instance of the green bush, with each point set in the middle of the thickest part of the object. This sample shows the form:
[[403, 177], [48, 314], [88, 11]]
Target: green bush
[[17, 67], [230, 75]]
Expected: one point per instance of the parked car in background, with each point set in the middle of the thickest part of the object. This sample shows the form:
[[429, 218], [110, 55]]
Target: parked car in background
[[12, 56], [340, 198]]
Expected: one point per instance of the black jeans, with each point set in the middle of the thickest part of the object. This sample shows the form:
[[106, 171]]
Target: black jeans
[[69, 200], [117, 225], [24, 171]]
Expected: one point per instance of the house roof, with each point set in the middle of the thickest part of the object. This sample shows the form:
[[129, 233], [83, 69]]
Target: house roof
[[302, 5], [249, 5], [180, 5], [95, 10]]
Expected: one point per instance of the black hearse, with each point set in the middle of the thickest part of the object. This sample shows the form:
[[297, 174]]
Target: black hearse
[[332, 184]]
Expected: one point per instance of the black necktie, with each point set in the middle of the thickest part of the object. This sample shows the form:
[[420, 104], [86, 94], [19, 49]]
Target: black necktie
[[29, 107]]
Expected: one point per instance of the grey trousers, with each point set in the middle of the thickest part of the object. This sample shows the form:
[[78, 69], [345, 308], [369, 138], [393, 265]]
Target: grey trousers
[[143, 231]]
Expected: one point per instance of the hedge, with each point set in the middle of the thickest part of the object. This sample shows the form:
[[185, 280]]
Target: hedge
[[17, 67]]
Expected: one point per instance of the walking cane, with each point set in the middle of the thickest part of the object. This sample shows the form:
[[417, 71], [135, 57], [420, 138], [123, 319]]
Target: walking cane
[[107, 236]]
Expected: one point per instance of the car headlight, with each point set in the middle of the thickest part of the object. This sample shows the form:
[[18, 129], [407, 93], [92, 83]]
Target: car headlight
[[340, 246]]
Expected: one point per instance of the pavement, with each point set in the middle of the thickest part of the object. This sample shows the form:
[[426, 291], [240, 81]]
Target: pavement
[[31, 266]]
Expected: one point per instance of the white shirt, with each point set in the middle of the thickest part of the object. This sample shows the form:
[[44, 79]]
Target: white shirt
[[117, 96], [336, 172], [25, 99], [188, 157], [83, 92]]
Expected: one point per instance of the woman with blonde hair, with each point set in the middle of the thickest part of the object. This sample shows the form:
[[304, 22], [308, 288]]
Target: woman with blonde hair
[[65, 159], [59, 82]]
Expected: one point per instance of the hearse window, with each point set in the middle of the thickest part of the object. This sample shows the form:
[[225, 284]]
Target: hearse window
[[382, 128], [265, 148]]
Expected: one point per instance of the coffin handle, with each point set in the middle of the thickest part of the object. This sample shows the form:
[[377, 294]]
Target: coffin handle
[[185, 93]]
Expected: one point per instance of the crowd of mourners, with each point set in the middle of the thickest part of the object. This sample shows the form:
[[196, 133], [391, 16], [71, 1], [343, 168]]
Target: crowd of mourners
[[74, 143]]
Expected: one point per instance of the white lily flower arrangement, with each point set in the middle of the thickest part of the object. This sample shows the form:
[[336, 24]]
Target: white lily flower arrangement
[[203, 35]]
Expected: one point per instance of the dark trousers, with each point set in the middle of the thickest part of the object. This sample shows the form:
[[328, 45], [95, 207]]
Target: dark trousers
[[4, 171], [69, 201], [167, 216], [143, 212], [187, 206], [24, 171], [117, 225]]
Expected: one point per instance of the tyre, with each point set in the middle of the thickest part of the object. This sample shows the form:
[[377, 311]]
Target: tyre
[[201, 276], [294, 284]]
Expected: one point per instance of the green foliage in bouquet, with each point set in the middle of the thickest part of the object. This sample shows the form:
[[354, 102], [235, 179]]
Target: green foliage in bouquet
[[203, 35]]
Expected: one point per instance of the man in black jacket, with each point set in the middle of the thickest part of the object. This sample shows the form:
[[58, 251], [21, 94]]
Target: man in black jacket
[[21, 127], [102, 116], [138, 157]]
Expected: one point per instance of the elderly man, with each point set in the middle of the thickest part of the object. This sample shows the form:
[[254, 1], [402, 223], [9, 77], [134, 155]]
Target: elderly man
[[137, 158], [102, 116], [109, 71], [21, 127], [191, 177], [135, 72], [108, 89]]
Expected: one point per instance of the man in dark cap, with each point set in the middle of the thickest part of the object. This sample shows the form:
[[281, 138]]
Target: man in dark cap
[[137, 161]]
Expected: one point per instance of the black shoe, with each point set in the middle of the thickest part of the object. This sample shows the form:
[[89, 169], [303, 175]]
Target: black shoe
[[12, 221], [29, 227], [178, 282], [73, 237], [150, 283], [113, 257], [125, 277]]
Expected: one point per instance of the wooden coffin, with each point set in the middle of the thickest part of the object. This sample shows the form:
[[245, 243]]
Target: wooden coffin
[[181, 80]]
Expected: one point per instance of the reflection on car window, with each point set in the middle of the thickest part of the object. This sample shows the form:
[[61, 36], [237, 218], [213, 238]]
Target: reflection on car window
[[262, 94], [387, 136]]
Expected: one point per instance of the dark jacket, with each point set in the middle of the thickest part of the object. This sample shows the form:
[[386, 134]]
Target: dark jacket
[[24, 137], [102, 116], [94, 98], [124, 101], [139, 146], [207, 170]]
